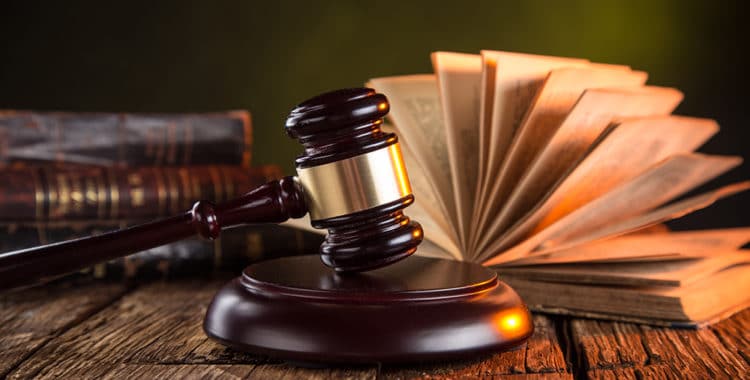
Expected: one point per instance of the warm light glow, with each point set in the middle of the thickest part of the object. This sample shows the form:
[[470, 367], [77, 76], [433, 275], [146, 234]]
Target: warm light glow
[[513, 322], [382, 106], [399, 168]]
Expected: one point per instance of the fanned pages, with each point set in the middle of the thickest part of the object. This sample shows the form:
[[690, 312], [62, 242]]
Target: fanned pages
[[548, 169], [415, 102], [459, 77], [640, 247], [629, 201], [595, 110], [425, 209], [510, 82], [559, 94]]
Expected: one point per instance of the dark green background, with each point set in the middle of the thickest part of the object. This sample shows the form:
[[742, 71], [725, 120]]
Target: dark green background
[[266, 57]]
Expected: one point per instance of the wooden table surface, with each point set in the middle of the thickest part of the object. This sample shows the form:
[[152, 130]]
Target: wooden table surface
[[153, 330]]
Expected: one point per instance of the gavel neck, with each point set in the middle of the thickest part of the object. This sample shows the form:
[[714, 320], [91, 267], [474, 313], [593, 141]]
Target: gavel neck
[[274, 202]]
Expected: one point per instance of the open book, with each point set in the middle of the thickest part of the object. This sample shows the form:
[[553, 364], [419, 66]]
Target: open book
[[550, 169]]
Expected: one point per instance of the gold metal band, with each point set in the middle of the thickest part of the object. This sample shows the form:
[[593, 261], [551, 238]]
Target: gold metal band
[[355, 184]]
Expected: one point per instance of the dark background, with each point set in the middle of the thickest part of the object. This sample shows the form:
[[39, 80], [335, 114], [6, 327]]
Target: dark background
[[179, 56]]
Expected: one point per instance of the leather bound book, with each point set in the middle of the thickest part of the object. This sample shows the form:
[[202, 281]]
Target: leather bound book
[[97, 193], [126, 139]]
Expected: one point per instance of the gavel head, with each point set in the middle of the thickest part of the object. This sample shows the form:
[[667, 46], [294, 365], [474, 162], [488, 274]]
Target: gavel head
[[354, 180]]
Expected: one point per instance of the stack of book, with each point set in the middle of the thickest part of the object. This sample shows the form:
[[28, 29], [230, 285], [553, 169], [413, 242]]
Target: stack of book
[[69, 175]]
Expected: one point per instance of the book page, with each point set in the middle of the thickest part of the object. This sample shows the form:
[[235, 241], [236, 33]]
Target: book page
[[429, 249], [719, 295], [654, 273], [559, 94], [643, 247], [510, 83], [424, 195], [615, 160], [486, 102], [703, 300], [591, 115], [303, 224], [660, 215], [424, 210], [664, 182], [610, 163], [433, 231], [459, 79], [417, 115], [629, 201]]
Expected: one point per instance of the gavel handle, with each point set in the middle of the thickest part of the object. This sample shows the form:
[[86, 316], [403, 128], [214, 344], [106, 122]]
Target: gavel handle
[[273, 202]]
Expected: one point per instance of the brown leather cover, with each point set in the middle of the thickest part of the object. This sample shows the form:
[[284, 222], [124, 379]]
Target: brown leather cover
[[126, 139], [95, 193]]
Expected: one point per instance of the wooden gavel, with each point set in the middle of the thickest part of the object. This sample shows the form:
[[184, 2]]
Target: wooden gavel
[[351, 179]]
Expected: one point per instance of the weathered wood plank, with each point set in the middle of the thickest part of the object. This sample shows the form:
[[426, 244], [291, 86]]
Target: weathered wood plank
[[157, 323], [155, 331], [286, 372], [609, 345], [90, 370], [734, 334], [31, 318], [543, 351], [622, 350], [540, 357], [180, 371]]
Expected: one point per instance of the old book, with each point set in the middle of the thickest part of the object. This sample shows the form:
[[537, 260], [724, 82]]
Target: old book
[[547, 169], [231, 252], [73, 192], [125, 139]]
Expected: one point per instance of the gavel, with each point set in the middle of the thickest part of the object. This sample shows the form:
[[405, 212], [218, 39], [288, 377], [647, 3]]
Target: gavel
[[351, 180]]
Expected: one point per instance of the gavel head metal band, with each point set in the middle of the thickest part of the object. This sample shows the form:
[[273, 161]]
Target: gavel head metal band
[[355, 184]]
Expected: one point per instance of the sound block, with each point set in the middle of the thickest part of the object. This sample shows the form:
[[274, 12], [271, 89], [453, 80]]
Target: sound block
[[419, 309]]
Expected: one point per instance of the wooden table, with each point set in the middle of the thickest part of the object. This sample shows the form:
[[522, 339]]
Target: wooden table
[[105, 330]]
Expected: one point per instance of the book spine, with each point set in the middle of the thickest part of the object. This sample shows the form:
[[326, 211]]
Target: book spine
[[232, 251], [126, 139], [94, 193]]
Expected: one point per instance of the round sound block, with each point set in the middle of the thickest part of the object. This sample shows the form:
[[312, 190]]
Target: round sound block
[[418, 309]]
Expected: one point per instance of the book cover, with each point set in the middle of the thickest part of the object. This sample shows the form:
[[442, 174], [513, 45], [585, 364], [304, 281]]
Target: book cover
[[72, 192], [125, 139]]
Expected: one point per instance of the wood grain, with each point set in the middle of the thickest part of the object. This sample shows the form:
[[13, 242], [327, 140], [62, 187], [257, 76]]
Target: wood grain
[[29, 319], [541, 355], [285, 371], [154, 331], [150, 331], [622, 350], [734, 334]]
